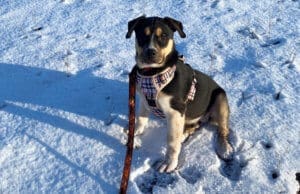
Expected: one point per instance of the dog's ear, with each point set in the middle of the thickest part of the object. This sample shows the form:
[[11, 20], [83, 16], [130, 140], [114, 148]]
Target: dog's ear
[[175, 26], [132, 24]]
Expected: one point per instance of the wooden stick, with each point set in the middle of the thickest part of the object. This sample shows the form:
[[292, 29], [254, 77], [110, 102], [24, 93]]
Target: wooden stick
[[128, 158]]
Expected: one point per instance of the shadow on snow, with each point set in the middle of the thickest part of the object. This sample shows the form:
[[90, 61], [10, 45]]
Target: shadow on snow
[[81, 94]]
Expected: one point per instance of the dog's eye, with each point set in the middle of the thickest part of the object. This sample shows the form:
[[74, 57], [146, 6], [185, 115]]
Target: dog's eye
[[163, 37]]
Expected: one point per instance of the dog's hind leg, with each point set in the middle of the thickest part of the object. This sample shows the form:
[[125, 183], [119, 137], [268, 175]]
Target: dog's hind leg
[[190, 128], [220, 117]]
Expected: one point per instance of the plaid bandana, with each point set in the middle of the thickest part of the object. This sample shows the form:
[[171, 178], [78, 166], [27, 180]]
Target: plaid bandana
[[150, 86]]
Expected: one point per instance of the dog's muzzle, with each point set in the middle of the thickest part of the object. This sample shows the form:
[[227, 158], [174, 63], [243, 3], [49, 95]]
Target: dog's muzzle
[[151, 55]]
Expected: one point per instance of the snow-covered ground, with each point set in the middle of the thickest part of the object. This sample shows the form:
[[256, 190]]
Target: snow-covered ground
[[63, 96]]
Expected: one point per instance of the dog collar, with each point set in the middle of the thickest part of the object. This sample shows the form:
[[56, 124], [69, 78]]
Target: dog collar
[[160, 78], [150, 86]]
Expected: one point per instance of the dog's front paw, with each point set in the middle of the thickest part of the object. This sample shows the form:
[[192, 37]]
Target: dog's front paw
[[168, 166], [224, 149]]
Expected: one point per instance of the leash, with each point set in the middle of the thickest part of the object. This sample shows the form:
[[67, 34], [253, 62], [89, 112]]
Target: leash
[[128, 157]]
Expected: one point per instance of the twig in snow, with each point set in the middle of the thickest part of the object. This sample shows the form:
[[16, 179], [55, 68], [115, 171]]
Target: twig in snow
[[34, 29], [291, 60], [213, 58]]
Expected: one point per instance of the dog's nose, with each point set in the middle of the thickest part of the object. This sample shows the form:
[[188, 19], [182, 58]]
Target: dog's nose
[[151, 53]]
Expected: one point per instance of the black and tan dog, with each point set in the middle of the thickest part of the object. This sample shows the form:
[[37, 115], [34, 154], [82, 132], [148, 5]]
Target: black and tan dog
[[171, 89]]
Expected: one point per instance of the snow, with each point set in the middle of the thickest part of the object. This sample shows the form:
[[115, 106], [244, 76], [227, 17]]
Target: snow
[[64, 87]]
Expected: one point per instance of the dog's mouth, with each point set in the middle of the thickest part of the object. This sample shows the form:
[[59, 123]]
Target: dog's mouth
[[147, 62], [151, 61]]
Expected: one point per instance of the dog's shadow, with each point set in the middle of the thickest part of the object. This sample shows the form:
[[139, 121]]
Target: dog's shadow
[[83, 94], [57, 99]]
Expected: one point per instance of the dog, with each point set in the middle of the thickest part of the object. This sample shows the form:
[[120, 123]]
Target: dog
[[171, 89]]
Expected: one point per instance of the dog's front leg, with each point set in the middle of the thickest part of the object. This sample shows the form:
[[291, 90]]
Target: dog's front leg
[[175, 121], [175, 135], [141, 121], [143, 117]]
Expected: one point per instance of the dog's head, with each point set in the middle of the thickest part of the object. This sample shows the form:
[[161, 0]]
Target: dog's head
[[154, 39]]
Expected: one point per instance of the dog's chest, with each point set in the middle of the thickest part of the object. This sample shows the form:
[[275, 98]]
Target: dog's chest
[[151, 86]]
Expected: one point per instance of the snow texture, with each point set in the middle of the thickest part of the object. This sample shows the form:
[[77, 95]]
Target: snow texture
[[64, 87]]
